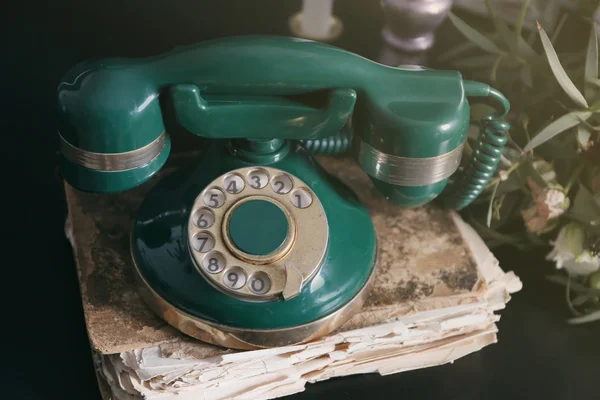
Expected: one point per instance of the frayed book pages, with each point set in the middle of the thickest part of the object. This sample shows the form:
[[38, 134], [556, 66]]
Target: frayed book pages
[[435, 293]]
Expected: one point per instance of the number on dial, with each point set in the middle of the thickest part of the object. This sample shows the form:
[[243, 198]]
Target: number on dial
[[203, 242], [281, 184], [204, 218], [214, 198], [214, 262], [258, 178], [233, 184], [259, 283], [301, 198], [234, 278]]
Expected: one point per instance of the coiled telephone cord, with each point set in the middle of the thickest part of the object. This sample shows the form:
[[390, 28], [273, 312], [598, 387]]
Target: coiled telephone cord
[[331, 145], [487, 152]]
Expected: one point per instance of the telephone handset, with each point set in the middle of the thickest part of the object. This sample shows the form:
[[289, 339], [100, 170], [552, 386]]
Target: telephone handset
[[256, 245]]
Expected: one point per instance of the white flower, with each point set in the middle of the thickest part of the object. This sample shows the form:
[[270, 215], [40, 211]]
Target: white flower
[[568, 252], [548, 204]]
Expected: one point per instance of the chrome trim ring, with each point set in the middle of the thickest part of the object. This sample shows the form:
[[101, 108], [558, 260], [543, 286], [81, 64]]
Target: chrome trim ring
[[250, 258], [113, 162], [407, 171]]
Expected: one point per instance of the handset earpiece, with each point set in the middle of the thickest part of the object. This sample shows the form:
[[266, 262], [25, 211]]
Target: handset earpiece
[[413, 146], [409, 134], [111, 130]]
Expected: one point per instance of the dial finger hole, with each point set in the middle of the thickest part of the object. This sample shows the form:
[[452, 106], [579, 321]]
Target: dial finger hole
[[214, 262], [234, 278], [259, 283], [257, 178], [282, 184], [203, 242], [203, 218], [233, 183], [301, 198], [214, 198]]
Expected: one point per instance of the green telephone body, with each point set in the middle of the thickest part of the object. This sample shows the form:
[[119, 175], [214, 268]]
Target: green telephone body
[[256, 245]]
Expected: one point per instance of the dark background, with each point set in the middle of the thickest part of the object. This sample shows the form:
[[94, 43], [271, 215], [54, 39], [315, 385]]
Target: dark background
[[538, 355]]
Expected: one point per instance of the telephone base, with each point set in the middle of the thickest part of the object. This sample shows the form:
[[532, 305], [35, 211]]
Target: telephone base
[[173, 284]]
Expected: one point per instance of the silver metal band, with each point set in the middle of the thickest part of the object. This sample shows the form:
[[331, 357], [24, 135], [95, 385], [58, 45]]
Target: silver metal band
[[406, 171], [113, 162]]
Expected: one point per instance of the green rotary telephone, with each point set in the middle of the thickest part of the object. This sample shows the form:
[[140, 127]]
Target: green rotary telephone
[[255, 245]]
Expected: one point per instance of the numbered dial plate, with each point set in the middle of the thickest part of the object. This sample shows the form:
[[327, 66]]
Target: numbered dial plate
[[283, 270]]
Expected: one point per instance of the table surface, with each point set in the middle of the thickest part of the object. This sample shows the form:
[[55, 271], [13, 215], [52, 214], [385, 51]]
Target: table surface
[[538, 355]]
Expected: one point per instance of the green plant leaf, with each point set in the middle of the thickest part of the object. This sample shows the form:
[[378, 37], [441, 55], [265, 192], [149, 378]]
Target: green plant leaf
[[474, 36], [511, 154], [526, 76], [591, 225], [548, 16], [490, 207], [559, 72], [510, 185], [494, 71], [525, 49], [502, 29], [583, 298], [531, 37], [496, 207], [527, 170], [551, 12], [585, 7], [489, 233], [520, 20], [557, 126], [593, 316], [585, 206], [583, 135], [575, 287], [591, 62], [510, 207], [461, 49], [456, 51], [595, 82], [561, 149], [478, 61], [558, 27], [514, 42]]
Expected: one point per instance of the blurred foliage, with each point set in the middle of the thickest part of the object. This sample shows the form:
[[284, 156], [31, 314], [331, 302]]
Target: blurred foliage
[[547, 188]]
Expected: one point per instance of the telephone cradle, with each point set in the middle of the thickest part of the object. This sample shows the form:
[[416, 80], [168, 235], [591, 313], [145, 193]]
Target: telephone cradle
[[255, 245]]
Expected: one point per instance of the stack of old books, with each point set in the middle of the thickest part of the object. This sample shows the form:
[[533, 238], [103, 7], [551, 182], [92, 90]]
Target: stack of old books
[[436, 293]]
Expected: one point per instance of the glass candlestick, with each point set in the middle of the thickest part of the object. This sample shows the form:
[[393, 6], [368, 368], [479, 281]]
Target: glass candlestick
[[316, 21]]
